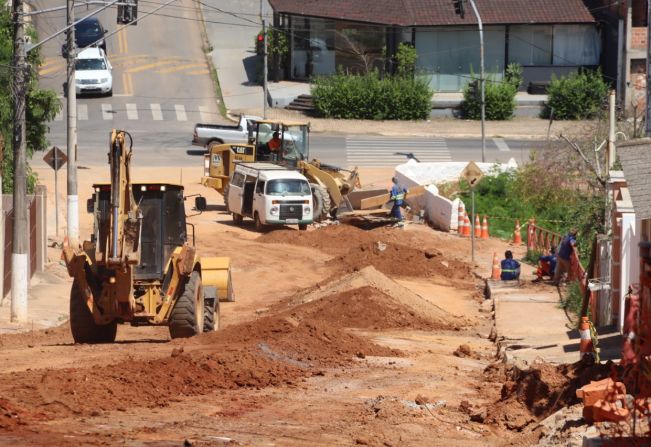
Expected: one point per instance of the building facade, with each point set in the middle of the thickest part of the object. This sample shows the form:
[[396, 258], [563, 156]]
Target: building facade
[[546, 38]]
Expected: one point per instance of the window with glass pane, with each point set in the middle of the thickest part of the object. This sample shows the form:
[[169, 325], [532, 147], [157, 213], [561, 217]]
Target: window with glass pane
[[530, 44]]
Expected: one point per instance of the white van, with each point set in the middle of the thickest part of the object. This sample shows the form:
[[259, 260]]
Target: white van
[[270, 195]]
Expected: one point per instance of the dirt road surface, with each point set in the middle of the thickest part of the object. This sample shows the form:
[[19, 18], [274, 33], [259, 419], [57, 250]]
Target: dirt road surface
[[338, 336]]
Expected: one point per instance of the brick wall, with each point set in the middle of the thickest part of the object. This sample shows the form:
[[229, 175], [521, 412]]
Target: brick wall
[[638, 37]]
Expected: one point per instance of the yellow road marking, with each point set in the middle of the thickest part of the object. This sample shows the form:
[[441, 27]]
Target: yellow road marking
[[180, 67], [54, 69], [127, 83], [50, 61], [149, 66], [198, 72]]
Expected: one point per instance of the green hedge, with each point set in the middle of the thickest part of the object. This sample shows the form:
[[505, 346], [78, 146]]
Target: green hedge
[[577, 96], [499, 96], [369, 97]]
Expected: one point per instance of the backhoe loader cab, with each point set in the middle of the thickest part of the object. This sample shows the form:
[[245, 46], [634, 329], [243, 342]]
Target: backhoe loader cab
[[138, 266], [294, 143]]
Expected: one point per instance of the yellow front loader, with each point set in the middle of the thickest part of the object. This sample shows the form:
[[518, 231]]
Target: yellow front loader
[[333, 189], [139, 266]]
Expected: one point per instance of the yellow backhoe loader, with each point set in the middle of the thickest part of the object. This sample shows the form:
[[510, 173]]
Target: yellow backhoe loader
[[138, 266], [334, 189]]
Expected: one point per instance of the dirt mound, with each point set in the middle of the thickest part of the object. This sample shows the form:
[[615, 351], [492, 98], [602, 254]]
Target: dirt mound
[[533, 394], [56, 335], [364, 308], [271, 351], [422, 308], [401, 260], [333, 239]]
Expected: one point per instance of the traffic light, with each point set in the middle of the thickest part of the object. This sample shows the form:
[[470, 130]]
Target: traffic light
[[459, 7], [259, 43], [128, 12]]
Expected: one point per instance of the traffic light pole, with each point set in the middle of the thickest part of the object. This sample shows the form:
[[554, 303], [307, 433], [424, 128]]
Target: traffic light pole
[[482, 80], [264, 78], [73, 197], [19, 257]]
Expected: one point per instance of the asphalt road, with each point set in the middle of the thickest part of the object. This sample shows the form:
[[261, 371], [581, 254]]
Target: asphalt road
[[161, 84], [162, 87]]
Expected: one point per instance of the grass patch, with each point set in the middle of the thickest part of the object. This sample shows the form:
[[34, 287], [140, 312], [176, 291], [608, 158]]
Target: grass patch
[[532, 257], [572, 301], [218, 91]]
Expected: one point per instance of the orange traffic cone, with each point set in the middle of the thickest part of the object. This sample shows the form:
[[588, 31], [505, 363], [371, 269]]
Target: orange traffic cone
[[517, 237], [495, 274], [585, 345], [460, 223], [484, 228], [477, 226], [466, 225]]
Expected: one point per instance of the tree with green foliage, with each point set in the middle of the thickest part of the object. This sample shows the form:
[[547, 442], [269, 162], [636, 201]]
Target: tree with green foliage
[[405, 59], [42, 105], [577, 96]]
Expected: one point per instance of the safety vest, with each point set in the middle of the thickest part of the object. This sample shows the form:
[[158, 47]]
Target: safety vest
[[399, 196]]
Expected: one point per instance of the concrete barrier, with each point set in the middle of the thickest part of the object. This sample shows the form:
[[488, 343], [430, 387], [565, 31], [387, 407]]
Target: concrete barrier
[[441, 212]]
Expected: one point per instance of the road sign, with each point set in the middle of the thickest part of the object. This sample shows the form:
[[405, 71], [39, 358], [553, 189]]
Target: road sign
[[472, 174], [56, 158]]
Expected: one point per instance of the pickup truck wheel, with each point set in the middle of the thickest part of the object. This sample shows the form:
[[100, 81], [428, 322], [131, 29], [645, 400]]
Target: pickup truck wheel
[[187, 316], [82, 325], [237, 219], [259, 226], [321, 202], [302, 227], [212, 144]]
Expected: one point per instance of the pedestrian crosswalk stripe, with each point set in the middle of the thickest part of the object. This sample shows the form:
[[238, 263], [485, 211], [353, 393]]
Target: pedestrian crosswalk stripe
[[381, 151], [107, 111], [132, 112], [156, 113], [206, 116], [180, 112], [501, 145], [82, 112]]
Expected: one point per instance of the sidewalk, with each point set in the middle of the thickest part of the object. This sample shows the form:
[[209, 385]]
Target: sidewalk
[[530, 324]]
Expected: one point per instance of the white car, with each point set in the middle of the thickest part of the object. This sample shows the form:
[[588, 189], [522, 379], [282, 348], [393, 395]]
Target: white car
[[93, 72]]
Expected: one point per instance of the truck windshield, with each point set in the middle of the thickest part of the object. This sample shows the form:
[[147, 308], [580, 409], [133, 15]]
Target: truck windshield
[[284, 187], [295, 144]]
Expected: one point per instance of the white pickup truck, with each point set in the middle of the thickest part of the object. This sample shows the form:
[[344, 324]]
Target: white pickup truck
[[208, 134]]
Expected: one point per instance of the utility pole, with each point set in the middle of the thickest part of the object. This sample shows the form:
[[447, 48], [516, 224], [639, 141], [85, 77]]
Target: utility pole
[[460, 10], [19, 258], [73, 198], [611, 132], [264, 79], [482, 80]]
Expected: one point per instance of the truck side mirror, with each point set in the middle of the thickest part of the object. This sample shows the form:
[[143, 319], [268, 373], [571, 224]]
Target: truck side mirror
[[90, 205], [200, 203]]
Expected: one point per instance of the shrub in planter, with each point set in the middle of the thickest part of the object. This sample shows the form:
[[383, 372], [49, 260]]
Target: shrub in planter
[[499, 95], [577, 96], [369, 97]]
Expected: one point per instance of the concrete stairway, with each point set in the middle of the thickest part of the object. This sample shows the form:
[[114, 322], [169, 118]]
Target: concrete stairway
[[303, 103]]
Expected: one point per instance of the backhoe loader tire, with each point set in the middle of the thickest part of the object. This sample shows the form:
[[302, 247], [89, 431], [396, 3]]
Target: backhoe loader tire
[[187, 316], [226, 188], [83, 326], [211, 316], [321, 202]]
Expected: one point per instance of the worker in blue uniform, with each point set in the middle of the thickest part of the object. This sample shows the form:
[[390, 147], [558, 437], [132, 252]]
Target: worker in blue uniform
[[510, 267], [398, 197]]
